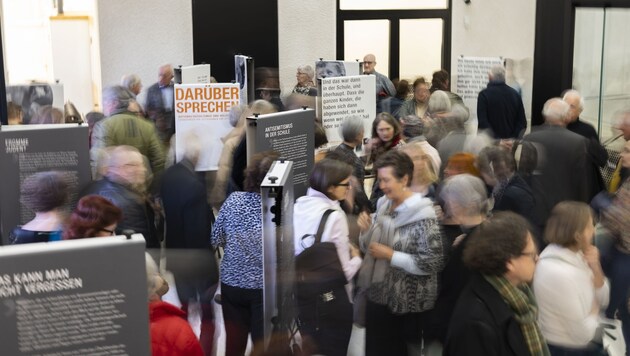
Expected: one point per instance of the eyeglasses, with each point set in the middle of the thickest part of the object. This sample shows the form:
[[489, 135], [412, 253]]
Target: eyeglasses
[[532, 255], [342, 185], [112, 232]]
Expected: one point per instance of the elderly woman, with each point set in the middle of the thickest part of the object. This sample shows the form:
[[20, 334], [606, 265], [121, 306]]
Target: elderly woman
[[352, 131], [615, 220], [509, 191], [325, 318], [238, 229], [94, 216], [404, 255], [305, 84], [467, 205], [496, 313], [44, 193], [569, 283]]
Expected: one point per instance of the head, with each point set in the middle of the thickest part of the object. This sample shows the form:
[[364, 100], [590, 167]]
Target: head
[[570, 225], [497, 74], [622, 123], [503, 246], [439, 102], [165, 75], [555, 112], [402, 89], [94, 216], [440, 81], [369, 62], [305, 74], [465, 195], [116, 99], [331, 177], [126, 165], [328, 69], [461, 163], [257, 170], [45, 191], [235, 113], [385, 127], [15, 114], [48, 115], [495, 165], [625, 155], [576, 104], [352, 130], [132, 82], [412, 126], [395, 173], [421, 91], [456, 118], [262, 107], [423, 171], [320, 135], [192, 147]]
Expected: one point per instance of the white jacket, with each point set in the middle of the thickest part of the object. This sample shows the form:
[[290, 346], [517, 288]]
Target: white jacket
[[307, 213], [563, 285]]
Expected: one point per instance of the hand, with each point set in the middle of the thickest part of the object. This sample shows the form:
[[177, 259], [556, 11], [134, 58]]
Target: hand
[[506, 144], [364, 221], [591, 254], [354, 251], [380, 251]]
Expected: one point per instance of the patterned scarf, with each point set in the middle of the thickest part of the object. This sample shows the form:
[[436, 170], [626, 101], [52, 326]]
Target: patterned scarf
[[521, 301]]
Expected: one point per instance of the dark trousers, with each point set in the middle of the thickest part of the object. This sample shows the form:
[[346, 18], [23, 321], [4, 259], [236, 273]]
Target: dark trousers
[[325, 323], [242, 315], [389, 334], [619, 291]]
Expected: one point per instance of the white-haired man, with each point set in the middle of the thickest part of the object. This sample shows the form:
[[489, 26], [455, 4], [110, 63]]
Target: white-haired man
[[500, 108], [384, 87], [160, 102], [563, 162]]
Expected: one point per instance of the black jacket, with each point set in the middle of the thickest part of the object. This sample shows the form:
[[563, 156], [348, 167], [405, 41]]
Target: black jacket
[[483, 324], [500, 108], [188, 214], [518, 198]]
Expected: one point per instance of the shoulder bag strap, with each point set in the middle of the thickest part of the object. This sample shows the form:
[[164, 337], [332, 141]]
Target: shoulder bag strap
[[322, 224]]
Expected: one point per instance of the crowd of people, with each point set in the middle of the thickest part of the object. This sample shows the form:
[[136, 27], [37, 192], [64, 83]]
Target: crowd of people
[[440, 255]]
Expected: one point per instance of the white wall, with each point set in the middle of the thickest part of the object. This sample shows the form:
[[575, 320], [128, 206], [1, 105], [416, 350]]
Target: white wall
[[138, 36], [307, 31], [503, 28]]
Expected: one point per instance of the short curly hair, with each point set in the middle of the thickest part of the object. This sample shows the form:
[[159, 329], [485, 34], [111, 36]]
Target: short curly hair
[[495, 242], [400, 162], [45, 191]]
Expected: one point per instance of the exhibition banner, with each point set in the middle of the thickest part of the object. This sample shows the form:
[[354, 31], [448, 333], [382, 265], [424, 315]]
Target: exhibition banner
[[203, 110], [347, 96], [244, 76], [75, 297], [291, 134], [328, 69], [28, 149], [472, 77], [197, 74]]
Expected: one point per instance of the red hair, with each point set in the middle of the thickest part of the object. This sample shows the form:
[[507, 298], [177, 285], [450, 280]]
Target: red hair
[[92, 214]]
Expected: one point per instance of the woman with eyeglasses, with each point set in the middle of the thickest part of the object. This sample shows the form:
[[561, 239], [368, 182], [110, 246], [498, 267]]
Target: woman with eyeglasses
[[569, 284], [325, 317], [305, 84], [404, 255], [496, 314], [94, 216]]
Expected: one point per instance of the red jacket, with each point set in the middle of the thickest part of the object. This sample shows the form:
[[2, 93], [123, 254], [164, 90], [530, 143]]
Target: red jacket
[[170, 333]]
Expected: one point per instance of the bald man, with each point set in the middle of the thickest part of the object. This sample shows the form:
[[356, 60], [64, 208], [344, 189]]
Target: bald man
[[160, 102], [384, 87]]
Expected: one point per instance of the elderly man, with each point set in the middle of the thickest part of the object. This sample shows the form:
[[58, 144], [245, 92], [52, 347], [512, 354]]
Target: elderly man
[[419, 103], [132, 82], [500, 108], [384, 87], [160, 102], [122, 127], [124, 185], [563, 162]]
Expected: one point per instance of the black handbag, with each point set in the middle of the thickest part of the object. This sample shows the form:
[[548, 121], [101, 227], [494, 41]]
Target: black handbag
[[317, 268]]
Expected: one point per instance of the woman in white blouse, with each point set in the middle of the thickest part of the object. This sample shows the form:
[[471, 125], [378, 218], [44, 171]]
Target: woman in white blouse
[[569, 284]]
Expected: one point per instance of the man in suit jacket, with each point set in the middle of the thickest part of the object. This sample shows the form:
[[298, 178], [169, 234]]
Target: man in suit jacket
[[500, 108], [563, 162], [189, 255], [160, 102]]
